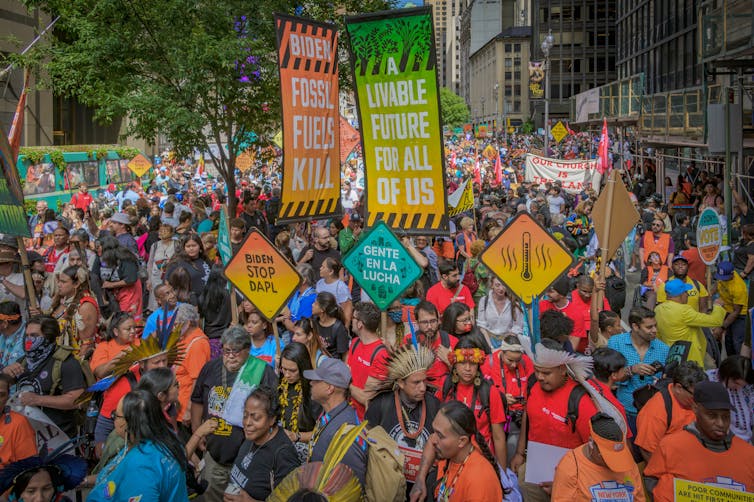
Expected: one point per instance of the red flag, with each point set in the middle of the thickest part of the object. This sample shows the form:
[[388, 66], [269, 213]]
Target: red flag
[[603, 162], [498, 170], [14, 135], [477, 174], [568, 127]]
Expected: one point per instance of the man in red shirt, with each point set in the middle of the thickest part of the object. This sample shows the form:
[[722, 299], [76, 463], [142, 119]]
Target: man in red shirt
[[430, 335], [557, 299], [367, 356], [581, 301], [697, 268], [449, 289], [546, 418], [82, 199]]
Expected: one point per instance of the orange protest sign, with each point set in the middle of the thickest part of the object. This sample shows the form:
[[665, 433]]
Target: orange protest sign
[[526, 258], [264, 276], [139, 165], [244, 161], [308, 64]]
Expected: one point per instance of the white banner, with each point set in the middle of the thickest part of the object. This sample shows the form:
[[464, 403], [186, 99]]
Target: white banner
[[575, 175]]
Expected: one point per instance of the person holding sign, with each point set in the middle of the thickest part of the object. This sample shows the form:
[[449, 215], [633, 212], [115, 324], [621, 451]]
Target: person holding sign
[[604, 468], [705, 451]]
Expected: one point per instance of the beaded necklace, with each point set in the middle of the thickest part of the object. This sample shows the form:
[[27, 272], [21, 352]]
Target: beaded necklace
[[291, 425], [403, 418], [446, 491]]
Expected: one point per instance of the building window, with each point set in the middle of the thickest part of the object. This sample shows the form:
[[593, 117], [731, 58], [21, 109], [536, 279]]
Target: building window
[[507, 47], [508, 75], [517, 47]]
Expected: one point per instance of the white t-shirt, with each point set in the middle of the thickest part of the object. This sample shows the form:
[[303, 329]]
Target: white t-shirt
[[556, 203]]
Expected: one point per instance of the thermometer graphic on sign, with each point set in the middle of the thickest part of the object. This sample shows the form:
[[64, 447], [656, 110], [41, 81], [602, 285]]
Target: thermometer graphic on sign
[[526, 270]]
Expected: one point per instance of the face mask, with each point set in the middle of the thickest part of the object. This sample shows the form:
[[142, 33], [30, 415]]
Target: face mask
[[395, 316], [466, 328], [33, 343]]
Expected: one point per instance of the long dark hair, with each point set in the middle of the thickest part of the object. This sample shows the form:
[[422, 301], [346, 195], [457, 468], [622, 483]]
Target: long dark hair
[[180, 280], [182, 253], [463, 423], [215, 293], [113, 253], [329, 305], [453, 312], [115, 322], [146, 422], [299, 354]]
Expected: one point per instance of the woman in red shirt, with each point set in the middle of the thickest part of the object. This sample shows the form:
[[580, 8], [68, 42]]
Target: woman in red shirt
[[467, 384]]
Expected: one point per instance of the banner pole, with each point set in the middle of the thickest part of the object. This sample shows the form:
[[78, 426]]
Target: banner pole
[[31, 297]]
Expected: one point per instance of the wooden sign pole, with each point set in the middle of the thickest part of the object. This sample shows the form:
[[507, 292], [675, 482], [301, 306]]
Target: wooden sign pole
[[31, 296]]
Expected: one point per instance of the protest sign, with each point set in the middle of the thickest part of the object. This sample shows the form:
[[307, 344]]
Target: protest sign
[[139, 165], [223, 237], [575, 175], [709, 236], [308, 65], [462, 199], [395, 74], [12, 215], [724, 490]]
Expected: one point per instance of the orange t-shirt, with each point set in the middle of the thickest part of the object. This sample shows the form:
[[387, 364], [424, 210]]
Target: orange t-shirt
[[106, 351], [195, 346], [17, 438], [682, 455], [652, 421], [476, 483], [578, 479]]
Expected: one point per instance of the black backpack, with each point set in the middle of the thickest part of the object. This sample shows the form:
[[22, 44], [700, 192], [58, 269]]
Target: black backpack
[[643, 394], [485, 388], [574, 399]]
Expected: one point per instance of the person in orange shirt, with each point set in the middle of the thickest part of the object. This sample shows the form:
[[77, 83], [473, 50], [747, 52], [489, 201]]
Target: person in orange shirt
[[656, 240], [119, 337], [705, 451], [17, 438], [469, 472], [194, 345], [602, 469], [653, 422]]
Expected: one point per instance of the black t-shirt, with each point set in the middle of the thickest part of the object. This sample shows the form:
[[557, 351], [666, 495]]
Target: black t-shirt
[[336, 337], [216, 320], [382, 412], [319, 256], [211, 390], [259, 469], [197, 269], [741, 256], [40, 382]]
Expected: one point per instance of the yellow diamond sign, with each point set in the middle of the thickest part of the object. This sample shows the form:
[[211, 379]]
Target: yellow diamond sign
[[244, 161], [526, 258], [139, 165], [559, 131], [264, 276]]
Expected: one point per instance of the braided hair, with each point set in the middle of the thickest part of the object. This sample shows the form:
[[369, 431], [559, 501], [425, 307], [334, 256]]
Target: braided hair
[[463, 423]]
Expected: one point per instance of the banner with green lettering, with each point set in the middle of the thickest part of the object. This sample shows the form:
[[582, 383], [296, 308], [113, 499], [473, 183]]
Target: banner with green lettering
[[394, 68]]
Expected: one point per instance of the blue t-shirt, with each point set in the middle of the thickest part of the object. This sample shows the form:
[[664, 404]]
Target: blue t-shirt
[[657, 352], [146, 473], [300, 305], [267, 351]]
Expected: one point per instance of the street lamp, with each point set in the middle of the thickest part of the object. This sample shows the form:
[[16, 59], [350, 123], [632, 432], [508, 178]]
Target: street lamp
[[484, 119], [497, 110], [547, 44]]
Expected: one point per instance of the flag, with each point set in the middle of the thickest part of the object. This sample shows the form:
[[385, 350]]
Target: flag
[[603, 162], [14, 135], [462, 199], [477, 174], [568, 128], [498, 170]]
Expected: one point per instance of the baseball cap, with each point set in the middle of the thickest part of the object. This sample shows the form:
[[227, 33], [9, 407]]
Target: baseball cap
[[724, 271], [610, 441], [332, 371], [712, 395], [354, 217], [676, 287], [679, 258]]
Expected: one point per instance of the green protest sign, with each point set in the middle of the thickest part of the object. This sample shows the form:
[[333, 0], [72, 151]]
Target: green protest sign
[[12, 214], [223, 237], [381, 265]]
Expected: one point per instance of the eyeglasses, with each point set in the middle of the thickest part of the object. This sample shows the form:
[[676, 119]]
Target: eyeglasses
[[464, 321], [231, 352], [428, 322]]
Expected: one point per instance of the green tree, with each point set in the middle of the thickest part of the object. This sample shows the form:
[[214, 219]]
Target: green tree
[[201, 73], [453, 107]]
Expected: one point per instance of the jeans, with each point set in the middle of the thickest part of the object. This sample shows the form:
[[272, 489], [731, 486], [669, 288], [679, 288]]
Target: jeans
[[734, 337]]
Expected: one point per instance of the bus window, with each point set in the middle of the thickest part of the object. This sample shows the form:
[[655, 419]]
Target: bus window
[[82, 172], [40, 178], [118, 171]]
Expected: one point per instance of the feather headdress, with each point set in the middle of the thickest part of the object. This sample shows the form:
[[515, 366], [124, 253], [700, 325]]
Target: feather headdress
[[68, 470], [580, 369], [332, 479], [405, 361]]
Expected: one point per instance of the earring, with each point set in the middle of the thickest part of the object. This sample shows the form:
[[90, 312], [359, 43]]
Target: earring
[[454, 377], [477, 380]]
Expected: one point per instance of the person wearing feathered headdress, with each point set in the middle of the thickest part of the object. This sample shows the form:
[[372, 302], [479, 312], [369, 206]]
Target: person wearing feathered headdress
[[45, 477], [558, 410], [403, 407]]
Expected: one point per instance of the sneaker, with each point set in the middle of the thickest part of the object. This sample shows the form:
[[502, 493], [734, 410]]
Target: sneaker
[[631, 270]]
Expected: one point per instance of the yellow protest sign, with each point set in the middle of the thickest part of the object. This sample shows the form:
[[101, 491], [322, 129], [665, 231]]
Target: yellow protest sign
[[490, 152], [244, 161], [461, 200], [264, 276], [139, 165], [559, 131], [689, 491], [278, 139], [526, 258]]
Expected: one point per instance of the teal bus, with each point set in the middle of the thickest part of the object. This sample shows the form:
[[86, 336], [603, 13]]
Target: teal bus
[[54, 175]]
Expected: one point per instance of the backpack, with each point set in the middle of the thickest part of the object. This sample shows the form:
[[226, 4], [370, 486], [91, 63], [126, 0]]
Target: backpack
[[384, 480], [61, 354], [574, 399], [644, 394], [615, 292], [379, 349], [469, 279]]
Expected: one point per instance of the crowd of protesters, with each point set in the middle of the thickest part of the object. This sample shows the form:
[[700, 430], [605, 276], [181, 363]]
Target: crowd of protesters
[[133, 345]]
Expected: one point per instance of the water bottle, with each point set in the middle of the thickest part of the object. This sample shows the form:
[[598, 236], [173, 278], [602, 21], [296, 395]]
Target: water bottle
[[92, 412]]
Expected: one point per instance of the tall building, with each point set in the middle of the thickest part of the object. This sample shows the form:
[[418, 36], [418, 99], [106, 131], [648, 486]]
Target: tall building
[[660, 39], [584, 52], [446, 15]]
